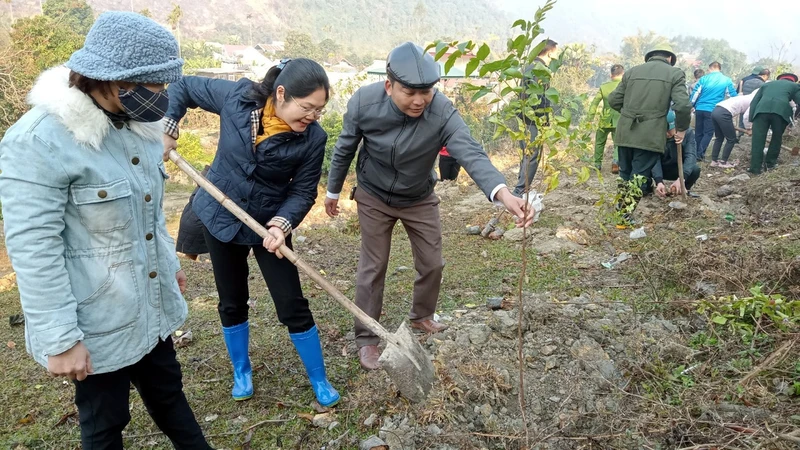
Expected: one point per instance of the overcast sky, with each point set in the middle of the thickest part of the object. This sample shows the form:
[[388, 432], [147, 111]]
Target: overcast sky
[[744, 23]]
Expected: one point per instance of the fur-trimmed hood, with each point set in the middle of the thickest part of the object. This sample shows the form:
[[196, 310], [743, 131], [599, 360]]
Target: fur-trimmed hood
[[87, 123]]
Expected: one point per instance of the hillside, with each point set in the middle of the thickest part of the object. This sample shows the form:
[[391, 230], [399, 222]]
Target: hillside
[[358, 25]]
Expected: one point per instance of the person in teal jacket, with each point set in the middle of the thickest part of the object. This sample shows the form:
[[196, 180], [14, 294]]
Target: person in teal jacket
[[710, 90], [771, 109], [608, 119]]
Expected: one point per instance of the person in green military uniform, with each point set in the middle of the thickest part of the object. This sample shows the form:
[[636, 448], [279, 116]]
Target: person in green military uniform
[[643, 98], [770, 109], [608, 119]]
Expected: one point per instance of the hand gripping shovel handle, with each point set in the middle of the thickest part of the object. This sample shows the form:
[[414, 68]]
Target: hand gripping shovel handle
[[680, 170], [231, 206]]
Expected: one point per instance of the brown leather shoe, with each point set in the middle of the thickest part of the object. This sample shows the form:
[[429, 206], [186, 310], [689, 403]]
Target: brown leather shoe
[[428, 326], [368, 357], [614, 168]]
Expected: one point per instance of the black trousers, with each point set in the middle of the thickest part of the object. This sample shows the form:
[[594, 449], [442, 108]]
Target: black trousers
[[723, 131], [231, 273], [634, 161], [103, 403], [448, 168]]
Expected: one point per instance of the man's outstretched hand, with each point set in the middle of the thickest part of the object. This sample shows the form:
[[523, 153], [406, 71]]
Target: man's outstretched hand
[[516, 206]]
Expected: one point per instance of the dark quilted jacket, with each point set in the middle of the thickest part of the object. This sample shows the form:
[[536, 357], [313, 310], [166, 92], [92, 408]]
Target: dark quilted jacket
[[276, 179]]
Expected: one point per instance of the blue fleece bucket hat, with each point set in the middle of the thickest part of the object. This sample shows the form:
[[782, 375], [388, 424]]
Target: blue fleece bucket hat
[[671, 120], [125, 46]]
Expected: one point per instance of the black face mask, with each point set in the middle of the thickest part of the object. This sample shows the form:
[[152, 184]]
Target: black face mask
[[143, 105]]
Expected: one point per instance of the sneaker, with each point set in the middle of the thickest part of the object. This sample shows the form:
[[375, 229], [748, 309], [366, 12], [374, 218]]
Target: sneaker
[[693, 195], [714, 164]]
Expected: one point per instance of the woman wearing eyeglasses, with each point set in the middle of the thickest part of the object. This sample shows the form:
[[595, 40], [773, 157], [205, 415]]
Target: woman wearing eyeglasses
[[269, 161]]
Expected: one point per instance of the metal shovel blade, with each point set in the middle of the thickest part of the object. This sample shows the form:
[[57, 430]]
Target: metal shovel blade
[[408, 366]]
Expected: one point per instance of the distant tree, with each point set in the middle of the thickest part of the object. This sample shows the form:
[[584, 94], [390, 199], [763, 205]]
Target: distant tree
[[688, 44], [43, 43], [571, 79], [174, 21], [635, 47], [75, 14], [146, 12], [330, 50], [734, 63], [197, 55], [300, 45]]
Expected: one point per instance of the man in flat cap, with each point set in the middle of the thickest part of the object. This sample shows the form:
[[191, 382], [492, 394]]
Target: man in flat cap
[[401, 124]]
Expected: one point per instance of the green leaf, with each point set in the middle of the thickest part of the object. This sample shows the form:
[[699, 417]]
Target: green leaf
[[513, 72], [481, 93], [721, 320], [552, 95], [522, 23], [584, 174], [451, 61], [441, 52], [471, 66], [483, 52]]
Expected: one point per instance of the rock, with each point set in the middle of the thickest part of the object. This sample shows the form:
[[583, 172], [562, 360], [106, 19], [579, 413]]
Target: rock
[[371, 420], [402, 269], [474, 230], [724, 191], [496, 234], [434, 430], [323, 420], [211, 417], [548, 350], [479, 334], [705, 289], [485, 410], [677, 205], [515, 234], [494, 303], [554, 399], [373, 443], [239, 420], [550, 363], [555, 246], [739, 178], [502, 322], [333, 425], [300, 239], [594, 359], [462, 339]]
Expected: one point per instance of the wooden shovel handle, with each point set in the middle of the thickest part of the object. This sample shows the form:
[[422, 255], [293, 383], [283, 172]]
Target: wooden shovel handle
[[312, 273], [680, 170], [768, 139]]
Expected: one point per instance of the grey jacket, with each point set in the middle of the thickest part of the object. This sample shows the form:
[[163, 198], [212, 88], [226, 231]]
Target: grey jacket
[[398, 152]]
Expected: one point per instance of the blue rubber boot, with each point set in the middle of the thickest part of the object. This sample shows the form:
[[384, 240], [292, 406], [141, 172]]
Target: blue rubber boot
[[237, 339], [310, 351]]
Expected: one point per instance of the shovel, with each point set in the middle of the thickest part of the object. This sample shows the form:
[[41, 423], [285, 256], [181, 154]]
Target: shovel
[[680, 170], [794, 150], [404, 359]]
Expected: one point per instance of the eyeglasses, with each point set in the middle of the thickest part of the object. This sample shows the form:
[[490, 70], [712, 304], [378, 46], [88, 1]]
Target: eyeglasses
[[316, 112]]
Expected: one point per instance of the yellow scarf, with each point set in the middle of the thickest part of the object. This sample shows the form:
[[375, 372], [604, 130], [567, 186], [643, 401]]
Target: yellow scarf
[[270, 123]]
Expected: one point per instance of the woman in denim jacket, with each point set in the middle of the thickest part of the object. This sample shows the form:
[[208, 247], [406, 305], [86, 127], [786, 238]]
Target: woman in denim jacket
[[269, 161], [82, 188]]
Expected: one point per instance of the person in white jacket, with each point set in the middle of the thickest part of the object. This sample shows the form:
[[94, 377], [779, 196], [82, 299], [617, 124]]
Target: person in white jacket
[[722, 116]]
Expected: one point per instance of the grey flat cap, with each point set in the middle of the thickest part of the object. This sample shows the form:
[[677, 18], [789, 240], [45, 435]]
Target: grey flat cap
[[412, 67]]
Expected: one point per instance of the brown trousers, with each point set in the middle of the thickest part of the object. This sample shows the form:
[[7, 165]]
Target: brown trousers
[[424, 228]]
